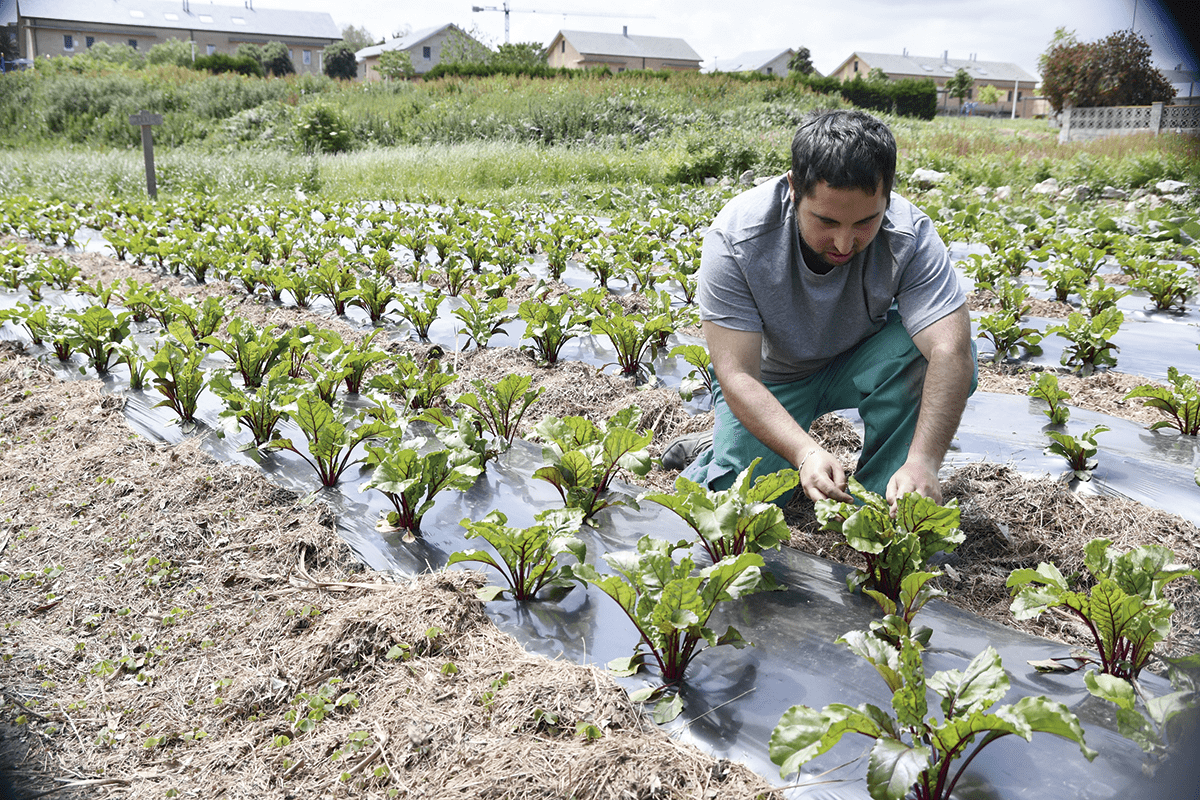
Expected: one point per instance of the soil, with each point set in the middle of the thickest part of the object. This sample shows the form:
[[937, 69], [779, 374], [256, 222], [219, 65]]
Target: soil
[[170, 623]]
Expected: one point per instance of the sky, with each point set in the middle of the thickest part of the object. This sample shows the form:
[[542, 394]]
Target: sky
[[1016, 31]]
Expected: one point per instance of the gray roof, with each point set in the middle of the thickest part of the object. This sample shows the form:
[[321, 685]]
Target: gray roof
[[406, 41], [748, 62], [616, 44], [258, 22], [936, 66], [8, 12]]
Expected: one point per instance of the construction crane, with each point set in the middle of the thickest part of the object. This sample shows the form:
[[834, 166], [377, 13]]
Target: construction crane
[[505, 8]]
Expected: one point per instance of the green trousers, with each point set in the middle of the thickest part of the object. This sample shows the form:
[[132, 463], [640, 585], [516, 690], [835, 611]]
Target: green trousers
[[882, 377]]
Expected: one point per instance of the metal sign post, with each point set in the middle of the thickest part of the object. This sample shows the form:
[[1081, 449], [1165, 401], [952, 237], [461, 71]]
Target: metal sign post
[[146, 120]]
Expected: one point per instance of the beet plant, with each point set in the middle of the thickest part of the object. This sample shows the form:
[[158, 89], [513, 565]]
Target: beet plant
[[411, 480], [1079, 451], [202, 317], [1003, 329], [1100, 298], [260, 408], [894, 547], [915, 754], [528, 557], [549, 326], [96, 333], [177, 374], [1154, 723], [700, 377], [334, 282], [57, 271], [502, 405], [670, 602], [254, 352], [1064, 280], [1181, 402], [584, 458], [372, 295], [631, 336], [483, 320], [1046, 388], [1168, 286], [420, 312], [1125, 609], [740, 519], [332, 443], [462, 433], [411, 386], [1089, 345]]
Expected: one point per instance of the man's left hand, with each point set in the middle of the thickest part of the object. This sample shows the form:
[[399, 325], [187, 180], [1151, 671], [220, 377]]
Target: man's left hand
[[914, 477]]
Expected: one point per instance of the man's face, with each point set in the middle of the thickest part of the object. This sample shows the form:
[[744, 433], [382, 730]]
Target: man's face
[[838, 223]]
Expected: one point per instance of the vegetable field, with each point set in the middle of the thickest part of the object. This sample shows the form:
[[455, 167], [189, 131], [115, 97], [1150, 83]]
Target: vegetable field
[[445, 383]]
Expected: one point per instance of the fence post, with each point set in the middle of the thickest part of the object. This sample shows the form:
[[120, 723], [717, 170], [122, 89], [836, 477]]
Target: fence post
[[145, 119], [1064, 135], [1156, 116]]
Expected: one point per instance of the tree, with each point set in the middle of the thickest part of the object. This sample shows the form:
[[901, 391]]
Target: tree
[[1114, 71], [358, 38], [8, 43], [340, 62], [249, 50], [989, 95], [519, 55], [801, 62], [464, 48], [877, 75], [171, 51], [960, 85], [276, 59], [396, 64]]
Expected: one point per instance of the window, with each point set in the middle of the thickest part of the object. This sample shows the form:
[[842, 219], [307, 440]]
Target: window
[[770, 71], [307, 56], [137, 14], [1019, 93], [90, 40], [133, 43], [171, 16], [210, 49], [564, 46], [205, 18], [856, 66], [292, 55], [1010, 95], [68, 42], [426, 53]]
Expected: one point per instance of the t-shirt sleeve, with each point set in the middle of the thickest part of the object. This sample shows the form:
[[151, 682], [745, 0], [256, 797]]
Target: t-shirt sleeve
[[929, 288], [724, 293]]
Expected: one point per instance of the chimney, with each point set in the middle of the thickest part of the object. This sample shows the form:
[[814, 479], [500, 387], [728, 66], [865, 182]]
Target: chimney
[[945, 56], [624, 30]]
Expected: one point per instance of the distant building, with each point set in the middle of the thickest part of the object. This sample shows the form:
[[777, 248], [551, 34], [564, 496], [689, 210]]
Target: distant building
[[1005, 76], [767, 62], [68, 27], [620, 52], [1187, 85], [424, 47]]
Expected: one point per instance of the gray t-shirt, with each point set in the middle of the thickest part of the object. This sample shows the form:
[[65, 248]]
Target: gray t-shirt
[[753, 278]]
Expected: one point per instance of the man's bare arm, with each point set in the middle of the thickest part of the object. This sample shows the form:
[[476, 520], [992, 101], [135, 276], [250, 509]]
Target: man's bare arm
[[946, 345], [737, 360]]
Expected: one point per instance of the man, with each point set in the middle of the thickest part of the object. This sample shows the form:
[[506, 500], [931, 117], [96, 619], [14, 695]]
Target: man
[[821, 291]]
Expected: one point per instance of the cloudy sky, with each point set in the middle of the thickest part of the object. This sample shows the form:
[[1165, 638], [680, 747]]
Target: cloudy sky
[[993, 30]]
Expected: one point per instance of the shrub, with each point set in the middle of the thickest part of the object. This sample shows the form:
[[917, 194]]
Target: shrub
[[220, 62], [321, 128]]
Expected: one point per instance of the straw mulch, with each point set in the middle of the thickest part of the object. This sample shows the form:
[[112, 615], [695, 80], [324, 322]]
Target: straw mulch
[[173, 624]]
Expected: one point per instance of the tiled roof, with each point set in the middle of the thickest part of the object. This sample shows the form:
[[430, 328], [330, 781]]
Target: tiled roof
[[748, 62], [402, 42], [259, 22], [939, 67]]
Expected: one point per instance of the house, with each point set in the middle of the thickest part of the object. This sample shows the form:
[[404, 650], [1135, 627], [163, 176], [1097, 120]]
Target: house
[[68, 27], [768, 62], [425, 47], [620, 52], [1186, 83], [1005, 76]]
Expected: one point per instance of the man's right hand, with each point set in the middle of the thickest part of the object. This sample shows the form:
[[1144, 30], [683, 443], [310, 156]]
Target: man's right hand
[[822, 476]]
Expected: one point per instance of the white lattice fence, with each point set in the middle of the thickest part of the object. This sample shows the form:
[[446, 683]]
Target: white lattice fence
[[1082, 124]]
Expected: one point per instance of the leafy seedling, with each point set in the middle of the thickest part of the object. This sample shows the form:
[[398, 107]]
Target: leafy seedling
[[528, 557]]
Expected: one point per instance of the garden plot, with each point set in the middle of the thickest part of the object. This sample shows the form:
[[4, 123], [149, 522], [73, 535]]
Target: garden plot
[[760, 617]]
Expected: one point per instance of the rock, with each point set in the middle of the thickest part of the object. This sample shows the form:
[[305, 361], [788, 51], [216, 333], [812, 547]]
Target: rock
[[926, 178], [1080, 193], [710, 181], [1139, 193], [934, 193], [1113, 193], [747, 178], [761, 181], [1048, 186], [1170, 187], [1002, 193], [980, 191], [725, 182], [1181, 199]]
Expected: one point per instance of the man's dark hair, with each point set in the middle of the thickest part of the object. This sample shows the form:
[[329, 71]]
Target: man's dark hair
[[847, 149]]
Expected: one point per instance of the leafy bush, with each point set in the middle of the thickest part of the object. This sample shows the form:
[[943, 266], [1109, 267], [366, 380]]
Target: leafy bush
[[221, 62], [322, 128]]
